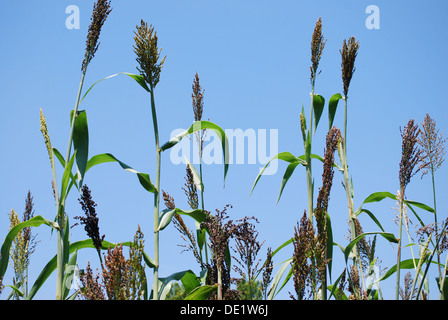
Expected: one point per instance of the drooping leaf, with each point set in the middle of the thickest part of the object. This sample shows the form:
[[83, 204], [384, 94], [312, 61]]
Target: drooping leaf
[[318, 108], [332, 106], [138, 78], [165, 283], [81, 143], [201, 125], [167, 215], [285, 156], [404, 264], [33, 222], [107, 157], [388, 236], [288, 172]]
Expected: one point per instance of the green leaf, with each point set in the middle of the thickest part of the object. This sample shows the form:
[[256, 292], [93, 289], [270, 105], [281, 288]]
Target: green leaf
[[62, 161], [288, 172], [285, 156], [201, 125], [69, 274], [378, 196], [329, 244], [81, 143], [167, 215], [372, 216], [66, 177], [278, 276], [332, 106], [404, 264], [33, 222], [140, 80], [107, 157], [164, 282], [388, 236], [197, 179], [318, 108], [202, 292], [420, 205]]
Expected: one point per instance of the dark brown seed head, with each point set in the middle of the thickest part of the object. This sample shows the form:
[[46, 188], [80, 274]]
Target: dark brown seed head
[[348, 53], [101, 10], [317, 47], [410, 154]]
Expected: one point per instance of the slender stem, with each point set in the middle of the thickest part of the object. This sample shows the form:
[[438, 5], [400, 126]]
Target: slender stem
[[435, 218], [442, 282], [309, 177], [347, 186], [219, 283], [61, 202], [156, 200], [397, 285]]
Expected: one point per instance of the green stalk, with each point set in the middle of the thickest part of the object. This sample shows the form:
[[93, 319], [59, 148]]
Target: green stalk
[[309, 176], [442, 282], [156, 199], [347, 186], [435, 218], [202, 196], [61, 202], [397, 284], [219, 283]]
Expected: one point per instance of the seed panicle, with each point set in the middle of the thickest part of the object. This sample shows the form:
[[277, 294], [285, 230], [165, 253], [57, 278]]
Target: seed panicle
[[101, 9]]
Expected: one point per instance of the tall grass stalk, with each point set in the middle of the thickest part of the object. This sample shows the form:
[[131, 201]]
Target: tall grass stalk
[[349, 53], [432, 145], [409, 159], [148, 55], [101, 10]]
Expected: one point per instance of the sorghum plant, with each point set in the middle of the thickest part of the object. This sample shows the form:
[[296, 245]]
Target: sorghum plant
[[101, 10], [150, 66], [247, 247], [409, 160], [90, 220], [23, 247], [121, 278], [432, 146], [349, 53]]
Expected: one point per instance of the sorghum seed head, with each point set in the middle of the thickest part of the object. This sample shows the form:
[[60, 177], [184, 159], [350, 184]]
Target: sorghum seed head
[[410, 154], [148, 53], [198, 98], [348, 53], [101, 10], [432, 146], [317, 46]]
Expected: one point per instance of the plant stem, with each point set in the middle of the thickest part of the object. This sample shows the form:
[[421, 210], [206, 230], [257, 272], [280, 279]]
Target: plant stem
[[156, 200], [347, 186], [435, 218], [397, 285], [309, 177], [219, 283], [61, 202]]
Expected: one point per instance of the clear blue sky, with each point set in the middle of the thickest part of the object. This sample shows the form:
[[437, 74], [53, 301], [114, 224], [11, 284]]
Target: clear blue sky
[[253, 59]]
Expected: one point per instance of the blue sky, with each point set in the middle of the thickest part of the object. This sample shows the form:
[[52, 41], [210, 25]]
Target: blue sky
[[253, 59]]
